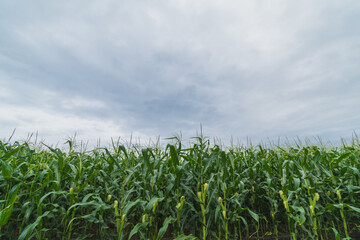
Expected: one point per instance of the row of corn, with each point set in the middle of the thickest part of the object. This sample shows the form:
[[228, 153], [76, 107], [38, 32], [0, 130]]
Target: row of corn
[[204, 191]]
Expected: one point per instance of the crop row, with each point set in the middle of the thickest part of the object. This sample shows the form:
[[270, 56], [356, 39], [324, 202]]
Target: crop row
[[200, 192]]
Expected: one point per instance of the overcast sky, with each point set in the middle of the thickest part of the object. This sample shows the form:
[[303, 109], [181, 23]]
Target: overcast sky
[[102, 69]]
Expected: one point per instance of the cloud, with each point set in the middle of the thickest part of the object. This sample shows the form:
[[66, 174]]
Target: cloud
[[258, 69]]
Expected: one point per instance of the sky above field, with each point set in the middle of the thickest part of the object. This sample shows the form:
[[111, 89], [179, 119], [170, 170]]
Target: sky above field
[[247, 69]]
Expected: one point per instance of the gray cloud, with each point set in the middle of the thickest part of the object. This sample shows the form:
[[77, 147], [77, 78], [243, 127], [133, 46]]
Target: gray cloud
[[110, 68]]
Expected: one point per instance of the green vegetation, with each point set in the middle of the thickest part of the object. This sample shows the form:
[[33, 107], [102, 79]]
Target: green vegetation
[[201, 192]]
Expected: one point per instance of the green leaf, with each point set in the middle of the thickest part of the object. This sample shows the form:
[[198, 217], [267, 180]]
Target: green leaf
[[121, 147], [253, 215], [330, 206], [113, 161], [352, 208], [163, 229], [10, 153], [340, 158], [146, 159], [6, 212], [302, 217], [184, 237], [83, 204], [174, 156], [138, 228], [337, 235], [50, 193], [246, 225], [13, 194], [131, 204], [30, 228], [6, 170], [151, 203]]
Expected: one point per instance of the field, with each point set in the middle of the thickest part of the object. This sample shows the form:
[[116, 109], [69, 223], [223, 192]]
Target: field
[[203, 191]]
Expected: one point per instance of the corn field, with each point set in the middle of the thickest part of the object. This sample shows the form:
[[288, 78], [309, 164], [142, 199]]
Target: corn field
[[203, 191]]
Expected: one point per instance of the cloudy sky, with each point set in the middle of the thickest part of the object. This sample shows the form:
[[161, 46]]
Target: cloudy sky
[[102, 69]]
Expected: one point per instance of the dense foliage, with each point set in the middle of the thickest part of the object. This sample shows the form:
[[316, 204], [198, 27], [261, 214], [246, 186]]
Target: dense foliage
[[204, 191]]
